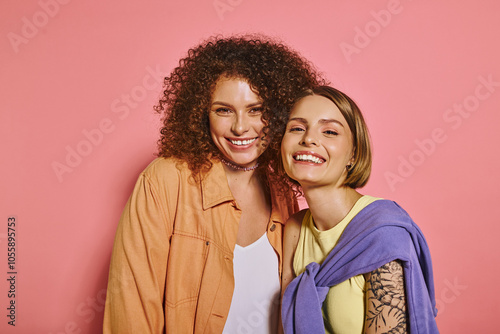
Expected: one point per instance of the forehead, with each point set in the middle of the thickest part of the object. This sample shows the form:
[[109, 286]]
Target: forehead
[[234, 87], [314, 108]]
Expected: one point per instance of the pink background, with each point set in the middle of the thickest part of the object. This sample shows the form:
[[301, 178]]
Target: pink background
[[78, 81]]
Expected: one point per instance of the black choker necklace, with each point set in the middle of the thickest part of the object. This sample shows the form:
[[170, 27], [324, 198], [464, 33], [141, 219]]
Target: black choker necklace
[[237, 167]]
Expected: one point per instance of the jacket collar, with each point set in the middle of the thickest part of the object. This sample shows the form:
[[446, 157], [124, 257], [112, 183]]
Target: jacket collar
[[214, 187], [277, 206]]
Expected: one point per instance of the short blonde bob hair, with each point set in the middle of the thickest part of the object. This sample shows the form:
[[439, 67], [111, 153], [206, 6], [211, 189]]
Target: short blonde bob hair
[[359, 173]]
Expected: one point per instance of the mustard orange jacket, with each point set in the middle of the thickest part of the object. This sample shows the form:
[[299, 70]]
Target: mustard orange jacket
[[172, 264]]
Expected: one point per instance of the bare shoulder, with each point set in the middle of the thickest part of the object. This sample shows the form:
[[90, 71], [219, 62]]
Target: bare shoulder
[[295, 220], [290, 240], [292, 229]]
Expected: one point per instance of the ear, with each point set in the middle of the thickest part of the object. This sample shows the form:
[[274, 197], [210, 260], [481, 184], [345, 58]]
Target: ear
[[350, 163], [352, 160]]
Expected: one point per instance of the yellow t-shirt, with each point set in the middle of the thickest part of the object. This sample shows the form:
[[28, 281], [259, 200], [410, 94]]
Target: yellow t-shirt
[[344, 306]]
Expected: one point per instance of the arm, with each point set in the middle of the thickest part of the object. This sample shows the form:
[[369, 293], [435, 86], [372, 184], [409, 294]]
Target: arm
[[135, 295], [291, 235], [385, 300]]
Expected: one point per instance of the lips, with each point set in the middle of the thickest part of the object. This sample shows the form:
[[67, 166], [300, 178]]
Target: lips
[[241, 142], [308, 157]]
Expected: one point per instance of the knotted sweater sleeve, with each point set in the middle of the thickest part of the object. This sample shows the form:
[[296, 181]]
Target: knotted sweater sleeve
[[380, 233]]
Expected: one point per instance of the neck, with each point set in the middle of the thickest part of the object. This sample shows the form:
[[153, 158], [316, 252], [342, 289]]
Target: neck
[[329, 205], [237, 167], [237, 177]]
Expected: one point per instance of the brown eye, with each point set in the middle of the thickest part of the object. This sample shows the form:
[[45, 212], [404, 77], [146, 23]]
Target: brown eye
[[257, 110], [223, 111]]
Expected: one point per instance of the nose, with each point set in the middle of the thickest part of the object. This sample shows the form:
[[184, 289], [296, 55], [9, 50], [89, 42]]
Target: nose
[[308, 139], [241, 124]]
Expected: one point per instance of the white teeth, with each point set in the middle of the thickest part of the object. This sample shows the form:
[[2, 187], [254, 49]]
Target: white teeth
[[308, 158], [242, 142]]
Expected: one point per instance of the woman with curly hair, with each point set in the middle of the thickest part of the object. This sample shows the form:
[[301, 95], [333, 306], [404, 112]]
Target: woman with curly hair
[[199, 245], [362, 264]]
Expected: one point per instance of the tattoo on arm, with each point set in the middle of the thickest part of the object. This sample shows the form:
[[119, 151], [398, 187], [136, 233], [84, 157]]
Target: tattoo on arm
[[385, 300]]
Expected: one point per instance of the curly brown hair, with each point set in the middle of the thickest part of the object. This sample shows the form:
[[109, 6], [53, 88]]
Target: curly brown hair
[[277, 73]]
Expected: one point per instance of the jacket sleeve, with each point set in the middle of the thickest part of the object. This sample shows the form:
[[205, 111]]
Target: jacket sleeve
[[136, 285]]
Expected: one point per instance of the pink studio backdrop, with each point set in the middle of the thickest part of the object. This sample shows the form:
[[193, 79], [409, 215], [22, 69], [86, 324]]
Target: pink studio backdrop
[[79, 79]]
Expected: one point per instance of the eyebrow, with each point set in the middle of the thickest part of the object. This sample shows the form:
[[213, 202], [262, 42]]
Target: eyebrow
[[321, 121], [230, 105]]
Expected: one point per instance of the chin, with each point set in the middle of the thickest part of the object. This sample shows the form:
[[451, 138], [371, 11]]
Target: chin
[[242, 161]]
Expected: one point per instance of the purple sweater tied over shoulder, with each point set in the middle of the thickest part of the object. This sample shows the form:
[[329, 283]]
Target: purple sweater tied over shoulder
[[380, 233]]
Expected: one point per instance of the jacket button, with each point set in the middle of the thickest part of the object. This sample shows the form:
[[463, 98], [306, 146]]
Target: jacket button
[[273, 227]]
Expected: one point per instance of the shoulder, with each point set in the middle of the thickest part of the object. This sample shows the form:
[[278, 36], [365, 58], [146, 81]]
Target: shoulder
[[291, 237], [164, 177], [384, 225], [297, 218], [164, 165], [166, 170], [383, 212], [294, 222]]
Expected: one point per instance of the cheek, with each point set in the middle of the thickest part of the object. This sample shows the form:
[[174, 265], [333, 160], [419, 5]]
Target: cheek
[[343, 152], [286, 151], [284, 147], [282, 153], [216, 127], [211, 123], [258, 125]]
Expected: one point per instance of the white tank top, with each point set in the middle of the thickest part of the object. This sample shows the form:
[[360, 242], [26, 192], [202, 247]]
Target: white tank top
[[255, 304]]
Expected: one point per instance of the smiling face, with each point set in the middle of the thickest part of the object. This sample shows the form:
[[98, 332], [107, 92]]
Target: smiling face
[[236, 125], [317, 145]]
